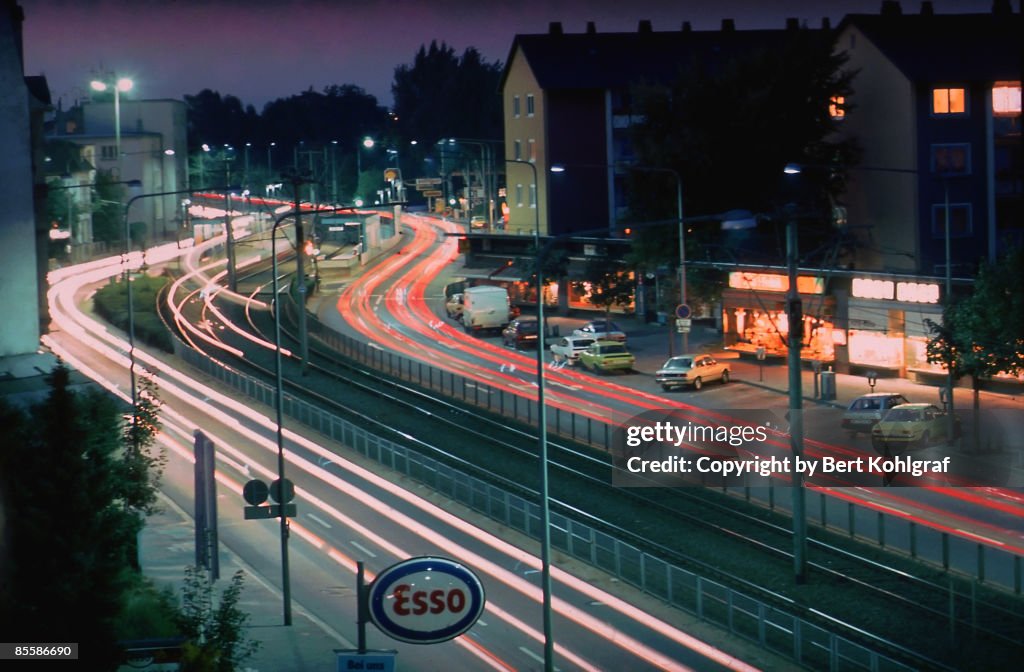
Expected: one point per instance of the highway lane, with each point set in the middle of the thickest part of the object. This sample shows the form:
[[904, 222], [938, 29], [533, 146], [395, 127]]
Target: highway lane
[[365, 513], [393, 308]]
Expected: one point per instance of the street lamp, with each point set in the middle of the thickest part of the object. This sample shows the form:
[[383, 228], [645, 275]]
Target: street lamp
[[542, 438], [118, 84]]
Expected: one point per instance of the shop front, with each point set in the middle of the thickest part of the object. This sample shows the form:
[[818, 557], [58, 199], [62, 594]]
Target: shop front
[[754, 316]]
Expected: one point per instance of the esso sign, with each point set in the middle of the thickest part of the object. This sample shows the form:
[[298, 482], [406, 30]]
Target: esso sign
[[426, 600]]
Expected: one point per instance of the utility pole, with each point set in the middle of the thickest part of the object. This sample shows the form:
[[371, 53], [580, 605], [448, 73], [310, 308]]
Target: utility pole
[[230, 236], [297, 181], [794, 308]]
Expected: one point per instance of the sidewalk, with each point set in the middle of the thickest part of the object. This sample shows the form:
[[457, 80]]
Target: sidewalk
[[167, 547]]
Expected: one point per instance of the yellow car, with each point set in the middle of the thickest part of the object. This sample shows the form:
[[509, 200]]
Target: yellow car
[[912, 425], [607, 356]]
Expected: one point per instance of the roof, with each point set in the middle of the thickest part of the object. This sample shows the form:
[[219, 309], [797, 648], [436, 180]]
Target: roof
[[946, 47], [594, 60]]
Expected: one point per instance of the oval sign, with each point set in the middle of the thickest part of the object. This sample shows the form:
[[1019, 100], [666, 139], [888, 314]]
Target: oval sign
[[426, 600]]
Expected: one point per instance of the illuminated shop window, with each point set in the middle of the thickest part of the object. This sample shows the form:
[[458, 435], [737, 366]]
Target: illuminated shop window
[[836, 107], [1006, 99], [949, 101], [875, 348]]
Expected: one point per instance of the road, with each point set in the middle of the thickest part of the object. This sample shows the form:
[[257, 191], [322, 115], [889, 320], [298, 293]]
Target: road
[[348, 511]]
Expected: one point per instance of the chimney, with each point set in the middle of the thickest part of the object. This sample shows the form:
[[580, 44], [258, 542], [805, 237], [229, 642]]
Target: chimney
[[792, 23], [826, 24], [555, 28], [687, 28], [927, 8], [891, 8], [645, 26], [728, 25], [591, 28]]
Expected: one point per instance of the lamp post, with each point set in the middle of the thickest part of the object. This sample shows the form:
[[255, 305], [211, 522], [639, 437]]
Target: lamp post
[[367, 143], [118, 84], [487, 157], [542, 439]]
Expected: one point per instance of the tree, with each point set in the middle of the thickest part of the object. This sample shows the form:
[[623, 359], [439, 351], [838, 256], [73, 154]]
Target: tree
[[982, 334], [217, 641], [70, 524], [728, 126], [605, 282], [107, 211]]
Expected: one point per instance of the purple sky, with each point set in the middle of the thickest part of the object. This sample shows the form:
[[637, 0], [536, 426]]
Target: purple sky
[[259, 50]]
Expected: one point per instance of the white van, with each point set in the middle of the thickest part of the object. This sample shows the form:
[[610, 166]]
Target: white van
[[485, 307]]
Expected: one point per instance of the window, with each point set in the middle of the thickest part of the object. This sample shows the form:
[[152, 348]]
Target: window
[[517, 152], [1006, 99], [837, 107], [519, 195], [949, 101], [515, 106], [533, 150], [953, 159], [529, 105], [533, 195], [108, 152], [959, 217]]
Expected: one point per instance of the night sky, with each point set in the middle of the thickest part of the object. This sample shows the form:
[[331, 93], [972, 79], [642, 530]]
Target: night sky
[[259, 50]]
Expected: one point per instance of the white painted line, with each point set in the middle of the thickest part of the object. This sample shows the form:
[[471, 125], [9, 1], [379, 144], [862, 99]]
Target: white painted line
[[313, 516], [363, 549], [533, 655]]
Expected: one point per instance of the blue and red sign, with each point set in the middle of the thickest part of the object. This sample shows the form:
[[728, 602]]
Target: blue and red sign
[[426, 600]]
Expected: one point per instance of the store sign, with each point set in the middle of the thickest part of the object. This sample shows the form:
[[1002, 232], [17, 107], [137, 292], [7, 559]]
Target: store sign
[[887, 290], [775, 282]]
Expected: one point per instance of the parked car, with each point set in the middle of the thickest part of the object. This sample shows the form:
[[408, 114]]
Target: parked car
[[865, 412], [568, 348], [454, 306], [601, 330], [477, 222], [692, 370], [607, 356], [912, 425], [520, 332]]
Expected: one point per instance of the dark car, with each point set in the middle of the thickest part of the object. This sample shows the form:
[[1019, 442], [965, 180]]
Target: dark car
[[520, 332], [865, 411]]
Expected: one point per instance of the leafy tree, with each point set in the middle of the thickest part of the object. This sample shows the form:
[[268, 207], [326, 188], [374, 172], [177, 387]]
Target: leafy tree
[[982, 334], [217, 641], [607, 282], [69, 529], [107, 211], [728, 126]]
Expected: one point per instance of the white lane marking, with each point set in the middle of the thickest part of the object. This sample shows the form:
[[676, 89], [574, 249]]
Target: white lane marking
[[987, 540], [363, 549], [313, 516], [533, 655]]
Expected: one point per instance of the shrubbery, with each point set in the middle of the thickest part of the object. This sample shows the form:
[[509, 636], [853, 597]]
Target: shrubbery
[[111, 304]]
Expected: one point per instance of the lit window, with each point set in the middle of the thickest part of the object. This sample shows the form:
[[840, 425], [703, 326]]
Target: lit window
[[837, 107], [533, 150], [533, 195], [518, 150], [519, 195], [515, 106], [949, 101], [529, 105], [1006, 99]]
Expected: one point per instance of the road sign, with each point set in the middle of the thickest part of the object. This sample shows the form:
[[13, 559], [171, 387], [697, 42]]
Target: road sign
[[255, 492], [433, 193], [348, 660], [683, 311], [282, 491], [426, 600], [683, 326], [424, 182]]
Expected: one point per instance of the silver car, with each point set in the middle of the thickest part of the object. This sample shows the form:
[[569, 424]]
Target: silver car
[[865, 412], [692, 370]]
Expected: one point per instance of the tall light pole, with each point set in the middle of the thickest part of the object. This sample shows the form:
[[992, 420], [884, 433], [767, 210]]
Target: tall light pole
[[488, 162], [366, 143], [118, 84], [542, 439]]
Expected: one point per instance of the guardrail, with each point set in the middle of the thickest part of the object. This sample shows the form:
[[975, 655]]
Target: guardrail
[[785, 634]]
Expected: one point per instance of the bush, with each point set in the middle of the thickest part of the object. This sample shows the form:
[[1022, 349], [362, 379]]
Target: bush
[[111, 304]]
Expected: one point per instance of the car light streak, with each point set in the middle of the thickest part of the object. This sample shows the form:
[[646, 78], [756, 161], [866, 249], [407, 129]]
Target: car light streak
[[585, 620]]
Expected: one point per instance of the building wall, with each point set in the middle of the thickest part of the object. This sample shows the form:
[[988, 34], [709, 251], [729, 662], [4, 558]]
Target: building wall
[[19, 291], [882, 205], [524, 127]]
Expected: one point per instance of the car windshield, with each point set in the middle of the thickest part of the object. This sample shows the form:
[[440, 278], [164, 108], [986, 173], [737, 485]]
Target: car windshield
[[679, 363], [528, 327], [582, 343], [613, 350], [902, 415], [602, 326]]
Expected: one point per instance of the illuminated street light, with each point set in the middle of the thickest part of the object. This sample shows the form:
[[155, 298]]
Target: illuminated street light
[[118, 85]]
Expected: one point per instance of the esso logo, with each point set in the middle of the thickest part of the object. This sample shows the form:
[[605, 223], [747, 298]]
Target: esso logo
[[426, 600]]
